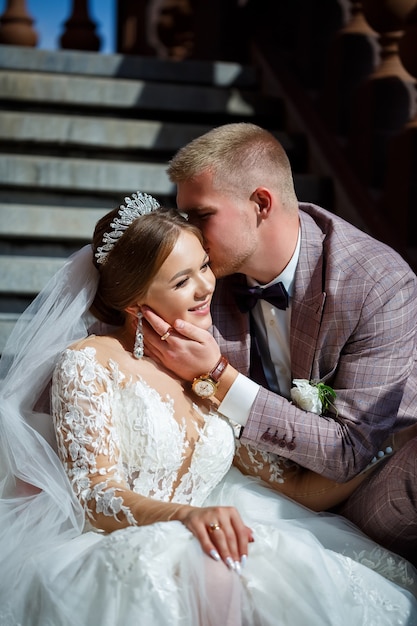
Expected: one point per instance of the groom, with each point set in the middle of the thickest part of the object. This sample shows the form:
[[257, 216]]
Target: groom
[[345, 314]]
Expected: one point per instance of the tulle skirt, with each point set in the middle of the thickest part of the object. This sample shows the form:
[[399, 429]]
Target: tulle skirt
[[303, 569]]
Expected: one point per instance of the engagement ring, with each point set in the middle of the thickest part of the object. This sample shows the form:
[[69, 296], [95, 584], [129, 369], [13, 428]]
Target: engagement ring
[[214, 527]]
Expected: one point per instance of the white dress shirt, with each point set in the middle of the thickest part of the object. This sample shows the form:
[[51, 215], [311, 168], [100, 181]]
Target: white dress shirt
[[273, 334]]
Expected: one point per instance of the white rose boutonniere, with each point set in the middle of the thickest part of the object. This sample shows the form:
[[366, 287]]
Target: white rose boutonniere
[[311, 396]]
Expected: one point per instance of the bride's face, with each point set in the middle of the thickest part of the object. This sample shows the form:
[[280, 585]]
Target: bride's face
[[184, 285]]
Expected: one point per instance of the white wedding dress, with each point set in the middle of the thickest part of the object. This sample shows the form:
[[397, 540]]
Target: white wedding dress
[[303, 568]]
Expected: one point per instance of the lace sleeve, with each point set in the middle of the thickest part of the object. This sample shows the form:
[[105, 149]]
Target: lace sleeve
[[82, 398], [298, 483]]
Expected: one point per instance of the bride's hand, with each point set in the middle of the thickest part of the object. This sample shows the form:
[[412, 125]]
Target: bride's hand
[[221, 533], [186, 350]]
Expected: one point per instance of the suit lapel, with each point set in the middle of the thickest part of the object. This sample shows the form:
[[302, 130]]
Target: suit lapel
[[308, 299], [231, 327]]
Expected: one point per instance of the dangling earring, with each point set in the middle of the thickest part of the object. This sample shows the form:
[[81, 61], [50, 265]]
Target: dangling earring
[[138, 348]]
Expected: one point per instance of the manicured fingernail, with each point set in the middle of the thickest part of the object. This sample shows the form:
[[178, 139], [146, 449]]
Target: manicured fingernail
[[243, 560], [230, 562], [215, 555], [238, 569], [179, 324]]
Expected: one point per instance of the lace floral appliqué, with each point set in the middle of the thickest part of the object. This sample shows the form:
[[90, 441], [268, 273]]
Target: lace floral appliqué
[[115, 434]]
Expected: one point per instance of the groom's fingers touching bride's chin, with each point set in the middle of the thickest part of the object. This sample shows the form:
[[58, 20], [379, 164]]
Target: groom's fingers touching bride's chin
[[183, 329], [190, 331], [180, 328]]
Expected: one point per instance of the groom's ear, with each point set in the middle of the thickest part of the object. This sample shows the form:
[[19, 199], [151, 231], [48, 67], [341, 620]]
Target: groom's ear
[[262, 197]]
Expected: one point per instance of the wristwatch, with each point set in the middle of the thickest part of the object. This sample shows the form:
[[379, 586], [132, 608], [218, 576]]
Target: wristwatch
[[205, 385]]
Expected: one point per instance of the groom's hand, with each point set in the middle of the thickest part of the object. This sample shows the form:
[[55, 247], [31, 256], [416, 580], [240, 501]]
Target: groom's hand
[[185, 349]]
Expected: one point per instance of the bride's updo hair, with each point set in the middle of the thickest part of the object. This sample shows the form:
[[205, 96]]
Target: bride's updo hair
[[134, 260]]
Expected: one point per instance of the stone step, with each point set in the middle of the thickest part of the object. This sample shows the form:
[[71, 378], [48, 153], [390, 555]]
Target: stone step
[[83, 175], [131, 67], [25, 272], [63, 131], [26, 276], [48, 222], [23, 276], [7, 321], [94, 176], [98, 96]]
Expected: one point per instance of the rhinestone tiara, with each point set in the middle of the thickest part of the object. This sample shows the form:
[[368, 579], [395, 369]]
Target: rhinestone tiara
[[139, 204]]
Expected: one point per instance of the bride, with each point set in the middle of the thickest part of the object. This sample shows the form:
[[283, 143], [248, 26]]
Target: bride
[[119, 502]]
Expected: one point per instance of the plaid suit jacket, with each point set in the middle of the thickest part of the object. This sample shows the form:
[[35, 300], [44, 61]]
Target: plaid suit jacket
[[353, 326]]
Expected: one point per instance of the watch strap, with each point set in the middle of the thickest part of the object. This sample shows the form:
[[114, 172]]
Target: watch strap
[[218, 369]]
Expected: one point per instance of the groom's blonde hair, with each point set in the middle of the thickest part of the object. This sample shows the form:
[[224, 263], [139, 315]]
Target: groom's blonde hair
[[240, 157]]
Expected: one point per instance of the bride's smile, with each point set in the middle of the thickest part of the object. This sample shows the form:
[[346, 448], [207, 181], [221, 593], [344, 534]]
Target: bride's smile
[[184, 285]]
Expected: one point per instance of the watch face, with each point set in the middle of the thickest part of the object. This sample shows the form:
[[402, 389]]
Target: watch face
[[204, 388]]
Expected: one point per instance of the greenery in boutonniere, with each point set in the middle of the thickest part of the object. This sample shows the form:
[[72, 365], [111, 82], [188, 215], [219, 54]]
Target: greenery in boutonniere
[[312, 396]]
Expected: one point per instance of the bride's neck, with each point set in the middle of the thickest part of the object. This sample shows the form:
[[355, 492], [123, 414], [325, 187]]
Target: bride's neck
[[125, 335]]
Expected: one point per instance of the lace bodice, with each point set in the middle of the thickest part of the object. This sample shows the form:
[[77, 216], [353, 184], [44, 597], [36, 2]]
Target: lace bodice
[[115, 433]]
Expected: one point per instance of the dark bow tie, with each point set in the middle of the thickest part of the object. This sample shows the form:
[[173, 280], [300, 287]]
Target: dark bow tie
[[247, 297]]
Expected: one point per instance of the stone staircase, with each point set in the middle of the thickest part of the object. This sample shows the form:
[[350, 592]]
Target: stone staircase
[[79, 131]]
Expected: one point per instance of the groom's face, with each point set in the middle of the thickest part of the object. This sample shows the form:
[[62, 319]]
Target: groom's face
[[228, 223]]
